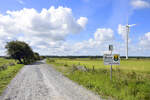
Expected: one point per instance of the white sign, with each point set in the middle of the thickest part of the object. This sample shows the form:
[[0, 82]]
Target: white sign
[[107, 59], [110, 59]]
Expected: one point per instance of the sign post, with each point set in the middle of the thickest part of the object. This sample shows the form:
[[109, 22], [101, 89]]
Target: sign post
[[111, 59], [111, 49]]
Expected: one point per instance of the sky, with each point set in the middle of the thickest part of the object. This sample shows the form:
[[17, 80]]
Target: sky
[[76, 27]]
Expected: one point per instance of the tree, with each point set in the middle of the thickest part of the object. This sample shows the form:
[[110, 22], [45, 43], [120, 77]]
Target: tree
[[36, 56], [20, 51]]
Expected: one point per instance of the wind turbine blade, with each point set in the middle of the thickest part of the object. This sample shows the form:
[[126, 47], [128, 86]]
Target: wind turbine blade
[[127, 20], [132, 25]]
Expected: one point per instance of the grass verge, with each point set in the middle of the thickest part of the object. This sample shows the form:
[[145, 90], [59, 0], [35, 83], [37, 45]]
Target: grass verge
[[127, 83], [7, 75]]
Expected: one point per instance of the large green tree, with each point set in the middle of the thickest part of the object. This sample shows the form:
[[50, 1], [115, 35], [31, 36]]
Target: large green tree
[[20, 51]]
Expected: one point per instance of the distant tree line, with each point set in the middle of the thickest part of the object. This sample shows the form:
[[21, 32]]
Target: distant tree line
[[72, 57], [94, 57], [22, 52]]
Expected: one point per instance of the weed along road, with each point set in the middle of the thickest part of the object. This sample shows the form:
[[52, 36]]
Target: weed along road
[[42, 82]]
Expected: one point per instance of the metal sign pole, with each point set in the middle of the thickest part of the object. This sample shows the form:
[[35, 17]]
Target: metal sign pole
[[111, 59], [111, 49], [111, 70]]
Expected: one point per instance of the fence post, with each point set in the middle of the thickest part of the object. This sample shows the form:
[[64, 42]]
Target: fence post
[[93, 68]]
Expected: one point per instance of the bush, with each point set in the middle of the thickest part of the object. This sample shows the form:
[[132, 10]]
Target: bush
[[51, 60], [65, 64]]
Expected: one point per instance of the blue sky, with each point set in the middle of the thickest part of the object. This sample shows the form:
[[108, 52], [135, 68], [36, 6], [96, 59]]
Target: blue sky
[[97, 28]]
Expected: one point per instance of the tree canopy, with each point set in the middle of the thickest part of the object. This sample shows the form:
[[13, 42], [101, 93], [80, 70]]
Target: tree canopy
[[21, 51]]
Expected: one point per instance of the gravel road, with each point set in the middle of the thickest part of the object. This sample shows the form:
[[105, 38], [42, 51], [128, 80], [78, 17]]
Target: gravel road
[[42, 82]]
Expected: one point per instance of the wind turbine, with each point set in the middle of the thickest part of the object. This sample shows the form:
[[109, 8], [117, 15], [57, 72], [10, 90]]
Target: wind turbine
[[127, 36]]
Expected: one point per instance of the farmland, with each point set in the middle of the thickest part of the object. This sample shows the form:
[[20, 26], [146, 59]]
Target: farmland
[[8, 69], [131, 79]]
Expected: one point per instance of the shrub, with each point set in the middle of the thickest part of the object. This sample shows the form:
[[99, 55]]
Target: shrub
[[51, 60]]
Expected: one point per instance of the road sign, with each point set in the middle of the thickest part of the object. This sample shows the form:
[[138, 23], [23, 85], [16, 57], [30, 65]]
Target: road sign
[[111, 59], [107, 59], [116, 59]]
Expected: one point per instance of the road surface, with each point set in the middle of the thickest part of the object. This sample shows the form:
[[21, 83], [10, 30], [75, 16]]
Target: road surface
[[42, 82]]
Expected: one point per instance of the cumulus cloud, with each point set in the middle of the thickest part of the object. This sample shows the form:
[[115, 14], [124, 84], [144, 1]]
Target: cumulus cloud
[[104, 34], [45, 31], [93, 46], [82, 21], [40, 28], [99, 44], [122, 31], [96, 45], [55, 23], [145, 41], [138, 4]]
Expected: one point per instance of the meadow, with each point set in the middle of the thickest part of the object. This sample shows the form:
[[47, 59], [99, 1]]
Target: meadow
[[131, 79], [9, 69]]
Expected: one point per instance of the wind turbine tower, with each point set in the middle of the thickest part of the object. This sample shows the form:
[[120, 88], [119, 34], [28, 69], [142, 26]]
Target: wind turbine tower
[[127, 37]]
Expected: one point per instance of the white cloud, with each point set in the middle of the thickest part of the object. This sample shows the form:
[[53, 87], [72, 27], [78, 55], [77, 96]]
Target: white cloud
[[104, 34], [93, 46], [40, 29], [98, 45], [46, 30], [82, 21], [138, 4], [145, 41]]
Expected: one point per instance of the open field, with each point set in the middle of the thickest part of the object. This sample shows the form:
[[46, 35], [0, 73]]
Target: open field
[[131, 79], [141, 65], [7, 73]]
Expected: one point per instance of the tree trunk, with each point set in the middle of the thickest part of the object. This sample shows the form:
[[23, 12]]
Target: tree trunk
[[24, 60], [20, 61]]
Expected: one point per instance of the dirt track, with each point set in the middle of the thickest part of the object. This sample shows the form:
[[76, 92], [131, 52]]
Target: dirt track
[[42, 82]]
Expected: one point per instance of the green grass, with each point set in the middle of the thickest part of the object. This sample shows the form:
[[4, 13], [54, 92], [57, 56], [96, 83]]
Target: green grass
[[5, 61], [128, 65], [131, 79], [7, 74]]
